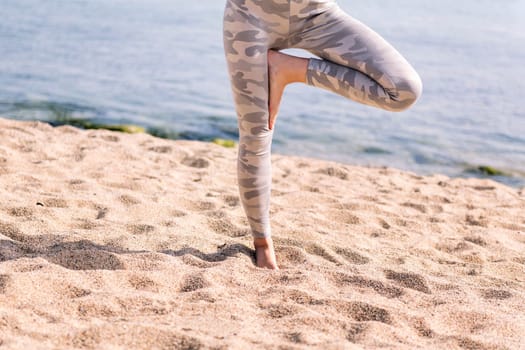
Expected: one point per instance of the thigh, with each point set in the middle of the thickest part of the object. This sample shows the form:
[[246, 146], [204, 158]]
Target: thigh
[[245, 47], [340, 38]]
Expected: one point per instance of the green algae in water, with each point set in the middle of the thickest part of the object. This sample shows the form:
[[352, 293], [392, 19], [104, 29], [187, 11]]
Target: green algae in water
[[129, 128], [491, 171], [164, 133], [374, 150], [487, 170], [86, 124], [224, 142]]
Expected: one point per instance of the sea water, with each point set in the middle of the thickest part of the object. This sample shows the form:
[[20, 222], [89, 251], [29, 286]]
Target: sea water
[[160, 64]]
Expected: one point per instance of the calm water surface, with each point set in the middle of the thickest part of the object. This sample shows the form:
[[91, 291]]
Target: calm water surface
[[160, 64]]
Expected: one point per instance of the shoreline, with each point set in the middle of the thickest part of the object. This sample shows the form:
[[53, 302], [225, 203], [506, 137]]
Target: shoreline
[[139, 242], [509, 177]]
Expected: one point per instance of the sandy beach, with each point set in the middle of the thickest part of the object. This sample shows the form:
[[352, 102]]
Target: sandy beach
[[127, 241]]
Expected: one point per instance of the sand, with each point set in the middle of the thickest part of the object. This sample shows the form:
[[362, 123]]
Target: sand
[[128, 241]]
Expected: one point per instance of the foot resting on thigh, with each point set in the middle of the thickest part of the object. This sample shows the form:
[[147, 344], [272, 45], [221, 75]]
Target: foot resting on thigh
[[283, 69], [265, 254]]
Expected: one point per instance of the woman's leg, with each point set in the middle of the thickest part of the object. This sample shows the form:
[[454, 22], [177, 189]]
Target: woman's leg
[[356, 62], [245, 45]]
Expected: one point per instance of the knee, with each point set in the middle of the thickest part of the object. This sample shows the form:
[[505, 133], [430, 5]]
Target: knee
[[415, 88], [409, 91], [255, 126], [255, 141]]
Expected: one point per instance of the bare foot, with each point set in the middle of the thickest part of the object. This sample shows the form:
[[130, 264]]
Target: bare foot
[[283, 69], [265, 254]]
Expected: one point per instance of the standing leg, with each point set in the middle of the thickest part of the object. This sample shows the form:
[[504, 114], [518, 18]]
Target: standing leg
[[245, 47]]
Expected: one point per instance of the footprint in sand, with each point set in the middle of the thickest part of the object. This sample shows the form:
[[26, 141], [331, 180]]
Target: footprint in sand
[[91, 308], [201, 295], [279, 309], [313, 189], [289, 255], [178, 213], [452, 247], [221, 223], [160, 149], [73, 292], [408, 280], [321, 251], [193, 282], [88, 259], [21, 212], [476, 240], [436, 220], [76, 182], [361, 311], [140, 229], [339, 173], [55, 203], [419, 207], [11, 231], [476, 221], [141, 282], [86, 224], [351, 256], [232, 201], [300, 297], [342, 279], [128, 200], [293, 252], [110, 138], [196, 162]]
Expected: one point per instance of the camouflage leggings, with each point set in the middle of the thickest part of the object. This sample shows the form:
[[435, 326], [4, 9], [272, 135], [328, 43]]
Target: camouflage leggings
[[355, 62]]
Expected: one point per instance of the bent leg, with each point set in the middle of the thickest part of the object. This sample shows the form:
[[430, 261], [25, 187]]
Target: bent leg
[[356, 62]]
